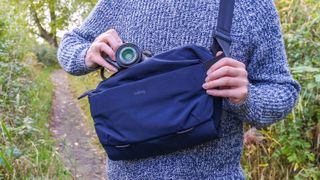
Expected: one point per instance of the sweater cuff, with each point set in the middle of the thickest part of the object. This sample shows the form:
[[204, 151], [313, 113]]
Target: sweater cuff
[[248, 110], [83, 65]]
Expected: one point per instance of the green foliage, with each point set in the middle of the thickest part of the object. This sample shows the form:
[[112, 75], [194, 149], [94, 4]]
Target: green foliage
[[26, 149], [46, 54], [47, 17], [301, 24], [291, 148]]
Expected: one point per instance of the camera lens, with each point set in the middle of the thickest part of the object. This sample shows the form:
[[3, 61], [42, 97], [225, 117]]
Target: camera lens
[[128, 54]]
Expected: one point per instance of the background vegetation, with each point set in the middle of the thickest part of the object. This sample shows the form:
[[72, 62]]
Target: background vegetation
[[29, 35], [27, 57], [291, 148], [26, 148]]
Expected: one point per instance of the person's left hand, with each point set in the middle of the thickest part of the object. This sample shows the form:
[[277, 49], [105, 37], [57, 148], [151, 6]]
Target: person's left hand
[[228, 78]]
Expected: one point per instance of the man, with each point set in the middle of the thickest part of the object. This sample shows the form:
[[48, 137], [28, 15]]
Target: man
[[257, 85]]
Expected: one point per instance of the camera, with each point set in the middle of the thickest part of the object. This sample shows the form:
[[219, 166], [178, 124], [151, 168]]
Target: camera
[[127, 55]]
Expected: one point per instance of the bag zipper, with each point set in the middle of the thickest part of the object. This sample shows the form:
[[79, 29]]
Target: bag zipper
[[85, 94]]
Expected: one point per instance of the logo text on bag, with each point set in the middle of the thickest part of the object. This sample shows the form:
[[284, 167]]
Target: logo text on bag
[[140, 92]]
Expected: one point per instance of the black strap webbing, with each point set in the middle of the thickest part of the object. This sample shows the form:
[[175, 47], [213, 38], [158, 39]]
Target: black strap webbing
[[222, 41]]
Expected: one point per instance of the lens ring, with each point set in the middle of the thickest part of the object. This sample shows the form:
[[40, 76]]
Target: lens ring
[[128, 54]]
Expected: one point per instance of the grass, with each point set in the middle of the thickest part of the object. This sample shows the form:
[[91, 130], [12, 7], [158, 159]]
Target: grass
[[79, 85], [290, 148], [25, 130]]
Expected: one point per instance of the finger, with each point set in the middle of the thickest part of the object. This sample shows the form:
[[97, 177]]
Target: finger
[[236, 93], [225, 62], [115, 35], [219, 53], [111, 32], [225, 82], [100, 61], [109, 40], [226, 71], [107, 50]]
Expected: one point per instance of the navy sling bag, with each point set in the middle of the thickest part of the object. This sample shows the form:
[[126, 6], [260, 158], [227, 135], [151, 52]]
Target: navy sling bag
[[159, 106]]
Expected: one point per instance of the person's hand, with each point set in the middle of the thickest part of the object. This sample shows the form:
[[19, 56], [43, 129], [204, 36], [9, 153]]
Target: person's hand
[[107, 43], [227, 78]]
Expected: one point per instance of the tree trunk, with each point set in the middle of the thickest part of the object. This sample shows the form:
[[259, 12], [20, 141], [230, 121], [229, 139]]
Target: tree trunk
[[51, 38]]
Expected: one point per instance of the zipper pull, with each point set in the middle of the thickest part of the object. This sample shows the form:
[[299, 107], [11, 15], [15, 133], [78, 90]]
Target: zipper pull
[[85, 94]]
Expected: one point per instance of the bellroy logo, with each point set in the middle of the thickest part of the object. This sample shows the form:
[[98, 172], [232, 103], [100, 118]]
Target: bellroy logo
[[140, 92]]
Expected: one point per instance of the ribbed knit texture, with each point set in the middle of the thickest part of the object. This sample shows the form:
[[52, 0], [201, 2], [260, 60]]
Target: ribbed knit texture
[[160, 25]]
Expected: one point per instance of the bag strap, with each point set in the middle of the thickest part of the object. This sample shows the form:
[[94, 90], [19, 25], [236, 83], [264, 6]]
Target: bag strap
[[222, 41]]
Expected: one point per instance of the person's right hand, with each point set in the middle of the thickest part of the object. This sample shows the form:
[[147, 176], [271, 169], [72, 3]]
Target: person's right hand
[[107, 43]]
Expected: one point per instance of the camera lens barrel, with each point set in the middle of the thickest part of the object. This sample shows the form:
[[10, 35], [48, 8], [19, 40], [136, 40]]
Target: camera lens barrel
[[128, 54]]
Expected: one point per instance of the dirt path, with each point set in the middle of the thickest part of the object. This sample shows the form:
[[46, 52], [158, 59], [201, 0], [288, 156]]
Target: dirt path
[[75, 138]]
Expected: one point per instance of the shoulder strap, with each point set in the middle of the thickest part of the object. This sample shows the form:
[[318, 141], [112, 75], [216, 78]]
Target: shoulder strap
[[222, 39]]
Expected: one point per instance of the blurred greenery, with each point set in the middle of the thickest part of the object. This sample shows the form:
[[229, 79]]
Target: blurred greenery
[[46, 54], [47, 17], [289, 149], [27, 150]]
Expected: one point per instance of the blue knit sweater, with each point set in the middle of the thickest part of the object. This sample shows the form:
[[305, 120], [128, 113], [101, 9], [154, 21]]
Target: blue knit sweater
[[160, 25]]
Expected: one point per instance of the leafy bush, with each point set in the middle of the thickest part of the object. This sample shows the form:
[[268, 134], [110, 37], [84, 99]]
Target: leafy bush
[[291, 148], [26, 149], [46, 55]]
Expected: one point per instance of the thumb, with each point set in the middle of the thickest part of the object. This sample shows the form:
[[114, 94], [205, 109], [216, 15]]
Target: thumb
[[219, 53]]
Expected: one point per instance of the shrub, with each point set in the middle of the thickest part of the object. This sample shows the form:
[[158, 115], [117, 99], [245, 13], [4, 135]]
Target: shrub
[[26, 149], [46, 54], [291, 148]]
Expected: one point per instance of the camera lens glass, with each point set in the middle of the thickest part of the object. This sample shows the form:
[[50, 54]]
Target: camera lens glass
[[128, 55]]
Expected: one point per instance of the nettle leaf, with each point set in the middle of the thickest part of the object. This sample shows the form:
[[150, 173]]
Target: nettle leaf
[[292, 158], [311, 156]]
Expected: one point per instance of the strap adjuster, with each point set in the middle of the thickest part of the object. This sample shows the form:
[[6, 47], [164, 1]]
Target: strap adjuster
[[223, 36]]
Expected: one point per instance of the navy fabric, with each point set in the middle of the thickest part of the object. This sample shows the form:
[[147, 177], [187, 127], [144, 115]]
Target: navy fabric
[[222, 40], [156, 107], [159, 106]]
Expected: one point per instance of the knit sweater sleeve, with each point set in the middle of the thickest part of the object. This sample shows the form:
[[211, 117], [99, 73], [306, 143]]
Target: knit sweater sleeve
[[74, 44], [272, 90]]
